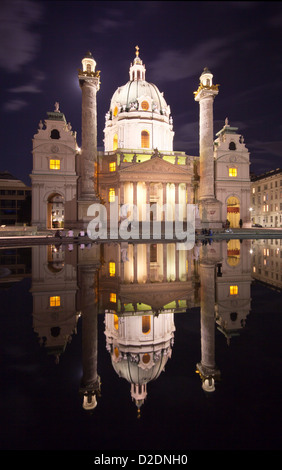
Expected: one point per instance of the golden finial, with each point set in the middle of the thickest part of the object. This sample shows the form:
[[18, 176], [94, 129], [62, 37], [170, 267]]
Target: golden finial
[[137, 51]]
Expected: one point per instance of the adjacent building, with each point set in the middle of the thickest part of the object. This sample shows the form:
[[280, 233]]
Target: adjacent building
[[15, 200], [266, 202]]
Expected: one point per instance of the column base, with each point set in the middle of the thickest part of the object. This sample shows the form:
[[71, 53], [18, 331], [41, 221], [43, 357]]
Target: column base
[[210, 213], [83, 205]]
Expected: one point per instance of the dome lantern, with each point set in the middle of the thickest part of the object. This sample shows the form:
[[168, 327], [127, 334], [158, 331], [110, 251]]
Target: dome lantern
[[137, 69]]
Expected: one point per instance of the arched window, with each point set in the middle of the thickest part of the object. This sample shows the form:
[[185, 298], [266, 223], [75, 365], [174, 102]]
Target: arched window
[[232, 146], [116, 323], [112, 195], [146, 324], [55, 134], [115, 142], [145, 140], [112, 268], [115, 111], [88, 68]]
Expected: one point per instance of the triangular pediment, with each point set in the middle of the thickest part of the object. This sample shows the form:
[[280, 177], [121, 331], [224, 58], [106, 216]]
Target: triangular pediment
[[156, 167]]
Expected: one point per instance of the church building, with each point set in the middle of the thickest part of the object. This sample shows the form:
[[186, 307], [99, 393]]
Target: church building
[[138, 166]]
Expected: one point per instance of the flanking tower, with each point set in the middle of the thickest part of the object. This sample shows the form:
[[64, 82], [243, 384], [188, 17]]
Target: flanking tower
[[209, 207], [89, 82]]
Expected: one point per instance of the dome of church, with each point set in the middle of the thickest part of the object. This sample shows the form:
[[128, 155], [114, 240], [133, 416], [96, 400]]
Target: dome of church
[[129, 95], [139, 116]]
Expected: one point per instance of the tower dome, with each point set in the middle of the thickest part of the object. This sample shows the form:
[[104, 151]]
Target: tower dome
[[139, 116]]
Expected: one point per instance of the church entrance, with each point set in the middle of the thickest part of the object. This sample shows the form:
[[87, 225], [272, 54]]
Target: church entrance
[[55, 211], [233, 211]]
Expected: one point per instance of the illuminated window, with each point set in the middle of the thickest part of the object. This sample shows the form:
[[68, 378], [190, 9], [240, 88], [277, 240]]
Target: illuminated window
[[112, 195], [254, 190], [145, 105], [115, 142], [233, 290], [145, 140], [146, 324], [55, 301], [115, 111], [112, 166], [112, 268], [233, 172], [113, 297], [116, 352], [116, 322], [55, 164]]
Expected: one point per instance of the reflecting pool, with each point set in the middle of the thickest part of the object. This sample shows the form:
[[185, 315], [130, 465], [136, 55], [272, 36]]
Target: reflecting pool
[[141, 346]]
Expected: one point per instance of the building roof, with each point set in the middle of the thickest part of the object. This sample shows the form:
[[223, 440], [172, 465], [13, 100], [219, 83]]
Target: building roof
[[267, 174], [5, 175]]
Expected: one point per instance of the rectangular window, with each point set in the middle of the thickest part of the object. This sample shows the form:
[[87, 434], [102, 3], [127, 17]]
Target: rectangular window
[[112, 166], [55, 164], [113, 297], [233, 290], [55, 301], [233, 172]]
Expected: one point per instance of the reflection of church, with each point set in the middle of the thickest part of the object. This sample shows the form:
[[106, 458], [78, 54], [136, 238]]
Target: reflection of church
[[138, 165], [139, 288]]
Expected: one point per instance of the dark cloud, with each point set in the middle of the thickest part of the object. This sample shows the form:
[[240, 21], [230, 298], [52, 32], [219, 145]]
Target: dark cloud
[[19, 42], [14, 105]]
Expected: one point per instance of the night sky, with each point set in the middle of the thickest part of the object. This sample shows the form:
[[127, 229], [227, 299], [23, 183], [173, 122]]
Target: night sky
[[42, 44]]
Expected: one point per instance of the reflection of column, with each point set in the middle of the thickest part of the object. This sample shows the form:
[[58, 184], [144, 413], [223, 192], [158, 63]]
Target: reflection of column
[[207, 367], [148, 261], [90, 382], [165, 262], [135, 261], [176, 263]]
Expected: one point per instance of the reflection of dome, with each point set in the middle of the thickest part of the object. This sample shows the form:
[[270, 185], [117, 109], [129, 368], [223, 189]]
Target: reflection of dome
[[134, 372], [140, 346]]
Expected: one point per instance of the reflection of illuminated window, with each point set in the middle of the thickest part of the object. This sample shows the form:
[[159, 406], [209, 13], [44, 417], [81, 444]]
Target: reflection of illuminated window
[[112, 166], [233, 172], [146, 324], [146, 358], [112, 195], [233, 290], [113, 297], [116, 321], [55, 164], [55, 301], [112, 268], [115, 142]]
